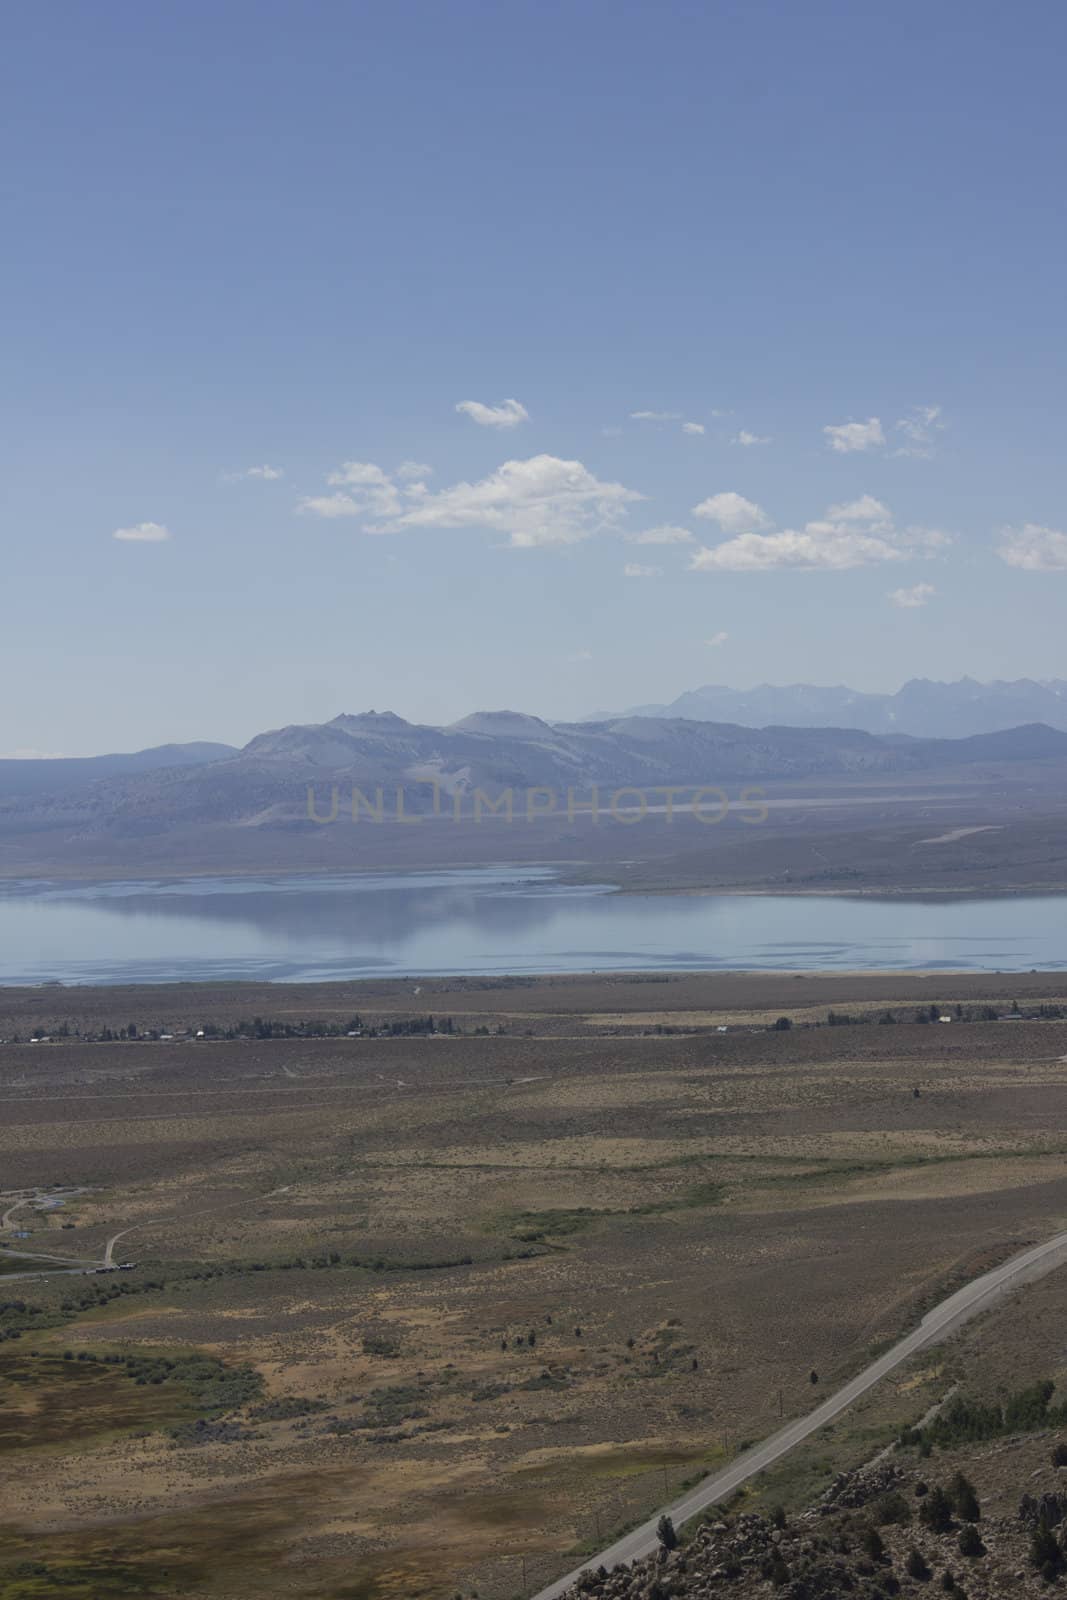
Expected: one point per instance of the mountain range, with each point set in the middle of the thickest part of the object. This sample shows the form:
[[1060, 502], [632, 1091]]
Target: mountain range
[[923, 708], [266, 783]]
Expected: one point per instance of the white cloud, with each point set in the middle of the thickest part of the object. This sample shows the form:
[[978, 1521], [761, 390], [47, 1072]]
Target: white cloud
[[1033, 548], [655, 416], [332, 505], [143, 533], [865, 509], [857, 533], [363, 489], [580, 655], [748, 439], [610, 432], [692, 427], [912, 599], [634, 569], [540, 501], [508, 414], [413, 469], [359, 475], [849, 436], [717, 639], [732, 512], [920, 429], [819, 546], [666, 533]]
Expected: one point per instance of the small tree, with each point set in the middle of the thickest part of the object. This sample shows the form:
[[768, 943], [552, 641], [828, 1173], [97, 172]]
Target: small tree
[[666, 1533], [873, 1546], [965, 1499], [780, 1573], [1059, 1456], [1044, 1550], [892, 1508], [916, 1567], [970, 1541], [783, 1025], [935, 1512]]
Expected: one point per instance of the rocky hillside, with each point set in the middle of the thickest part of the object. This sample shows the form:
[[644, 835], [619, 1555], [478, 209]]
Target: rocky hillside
[[889, 1529]]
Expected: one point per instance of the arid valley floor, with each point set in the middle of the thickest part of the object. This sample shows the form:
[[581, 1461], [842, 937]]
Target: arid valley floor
[[434, 1314]]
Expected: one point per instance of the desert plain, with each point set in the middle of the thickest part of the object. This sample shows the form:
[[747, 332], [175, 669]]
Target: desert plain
[[434, 1307]]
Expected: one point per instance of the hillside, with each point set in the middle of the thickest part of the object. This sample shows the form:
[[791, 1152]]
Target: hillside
[[250, 809], [65, 773]]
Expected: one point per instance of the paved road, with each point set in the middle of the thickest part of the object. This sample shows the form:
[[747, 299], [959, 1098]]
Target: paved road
[[937, 1324]]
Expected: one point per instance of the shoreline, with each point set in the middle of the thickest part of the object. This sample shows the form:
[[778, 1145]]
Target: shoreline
[[568, 875]]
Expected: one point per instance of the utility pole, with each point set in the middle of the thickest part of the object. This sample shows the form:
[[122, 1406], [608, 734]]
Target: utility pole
[[666, 1490], [596, 1513], [523, 1560], [781, 1407]]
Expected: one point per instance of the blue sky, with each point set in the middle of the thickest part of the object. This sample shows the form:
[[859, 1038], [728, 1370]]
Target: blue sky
[[298, 237]]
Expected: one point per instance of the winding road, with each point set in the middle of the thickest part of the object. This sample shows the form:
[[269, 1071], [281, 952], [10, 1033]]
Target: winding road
[[937, 1324]]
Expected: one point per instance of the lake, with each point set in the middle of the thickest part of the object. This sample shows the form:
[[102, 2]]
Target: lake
[[486, 921]]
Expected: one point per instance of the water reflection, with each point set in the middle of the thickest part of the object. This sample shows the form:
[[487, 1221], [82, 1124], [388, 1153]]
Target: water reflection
[[487, 920]]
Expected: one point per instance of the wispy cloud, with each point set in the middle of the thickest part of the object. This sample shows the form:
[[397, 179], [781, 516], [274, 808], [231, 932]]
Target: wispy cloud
[[508, 414], [408, 470], [655, 416], [846, 437], [1034, 548], [143, 533], [732, 512], [912, 599], [634, 569], [717, 639], [693, 427], [538, 502], [267, 474], [920, 429], [666, 533], [749, 439]]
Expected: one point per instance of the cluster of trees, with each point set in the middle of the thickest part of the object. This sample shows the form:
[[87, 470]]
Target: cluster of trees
[[965, 1421], [273, 1028], [927, 1014], [258, 1028]]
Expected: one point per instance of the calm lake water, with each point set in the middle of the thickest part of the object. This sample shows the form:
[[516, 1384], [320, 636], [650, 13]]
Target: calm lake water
[[494, 920]]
